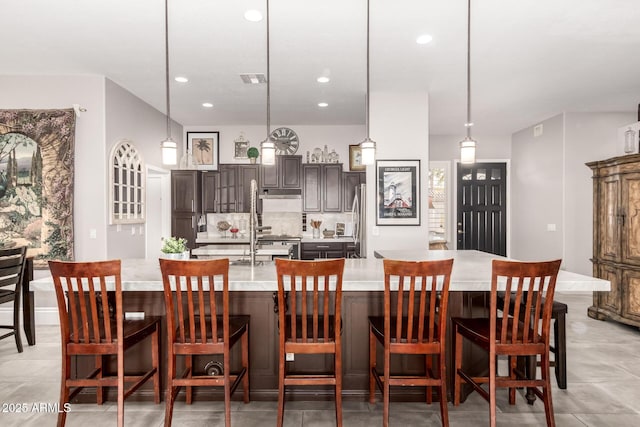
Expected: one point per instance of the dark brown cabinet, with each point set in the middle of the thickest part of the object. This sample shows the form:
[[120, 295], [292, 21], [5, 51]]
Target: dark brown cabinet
[[234, 185], [186, 191], [322, 187], [210, 192], [313, 250], [351, 181], [286, 173]]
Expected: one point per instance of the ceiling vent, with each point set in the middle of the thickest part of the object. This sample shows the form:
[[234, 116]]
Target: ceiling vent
[[253, 79]]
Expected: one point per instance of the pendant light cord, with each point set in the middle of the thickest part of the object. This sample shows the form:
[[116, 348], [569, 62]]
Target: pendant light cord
[[268, 80], [367, 103], [469, 123], [166, 50]]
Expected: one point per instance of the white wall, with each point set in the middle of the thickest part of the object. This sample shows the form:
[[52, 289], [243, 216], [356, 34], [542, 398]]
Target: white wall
[[400, 127], [128, 117], [334, 137], [552, 185], [447, 147]]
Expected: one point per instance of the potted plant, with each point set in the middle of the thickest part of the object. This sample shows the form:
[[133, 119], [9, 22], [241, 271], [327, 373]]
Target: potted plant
[[175, 248], [252, 154]]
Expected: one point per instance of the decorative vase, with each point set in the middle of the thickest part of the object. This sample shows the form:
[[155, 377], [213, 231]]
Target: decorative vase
[[179, 255]]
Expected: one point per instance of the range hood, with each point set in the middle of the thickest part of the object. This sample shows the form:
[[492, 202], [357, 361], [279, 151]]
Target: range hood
[[286, 193]]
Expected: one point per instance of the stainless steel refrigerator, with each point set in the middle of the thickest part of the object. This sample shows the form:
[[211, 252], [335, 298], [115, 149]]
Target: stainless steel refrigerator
[[359, 220]]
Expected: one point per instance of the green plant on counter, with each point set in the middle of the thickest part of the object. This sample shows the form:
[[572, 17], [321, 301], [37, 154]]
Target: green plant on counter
[[174, 245], [253, 153]]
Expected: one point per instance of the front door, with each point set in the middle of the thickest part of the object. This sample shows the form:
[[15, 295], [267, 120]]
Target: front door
[[482, 207]]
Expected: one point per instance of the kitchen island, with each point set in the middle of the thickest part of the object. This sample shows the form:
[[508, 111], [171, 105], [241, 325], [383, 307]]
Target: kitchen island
[[363, 282]]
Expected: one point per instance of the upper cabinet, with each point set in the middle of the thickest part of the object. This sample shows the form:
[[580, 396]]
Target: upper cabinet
[[210, 192], [185, 191], [234, 183], [286, 173], [322, 187]]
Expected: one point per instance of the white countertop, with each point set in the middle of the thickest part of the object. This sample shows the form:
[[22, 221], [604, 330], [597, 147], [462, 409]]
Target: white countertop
[[204, 237], [243, 250], [327, 240], [471, 272]]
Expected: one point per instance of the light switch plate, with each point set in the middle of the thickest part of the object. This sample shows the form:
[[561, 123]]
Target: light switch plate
[[289, 357], [134, 315]]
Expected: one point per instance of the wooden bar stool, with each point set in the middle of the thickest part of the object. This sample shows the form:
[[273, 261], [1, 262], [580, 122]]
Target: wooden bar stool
[[312, 324], [414, 322], [196, 296], [506, 335], [12, 268], [559, 347], [86, 329]]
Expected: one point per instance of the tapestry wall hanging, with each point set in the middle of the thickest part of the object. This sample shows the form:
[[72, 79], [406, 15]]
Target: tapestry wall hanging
[[36, 182]]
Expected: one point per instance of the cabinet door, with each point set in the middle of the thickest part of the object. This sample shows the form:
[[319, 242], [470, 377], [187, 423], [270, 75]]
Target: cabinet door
[[311, 191], [631, 294], [209, 189], [185, 226], [332, 188], [245, 174], [630, 229], [290, 171], [228, 188], [351, 181], [611, 300], [609, 221], [185, 191], [270, 175]]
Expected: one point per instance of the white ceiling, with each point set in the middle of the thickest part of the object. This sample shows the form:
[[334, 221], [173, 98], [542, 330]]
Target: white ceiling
[[531, 59]]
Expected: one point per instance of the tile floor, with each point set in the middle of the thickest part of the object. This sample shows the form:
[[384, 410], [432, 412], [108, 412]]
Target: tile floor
[[603, 390]]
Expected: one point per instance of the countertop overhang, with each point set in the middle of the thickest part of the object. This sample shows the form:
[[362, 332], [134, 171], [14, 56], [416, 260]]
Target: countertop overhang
[[471, 272]]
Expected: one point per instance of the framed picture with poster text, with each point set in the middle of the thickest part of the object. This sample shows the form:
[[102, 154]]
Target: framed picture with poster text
[[398, 184], [204, 147]]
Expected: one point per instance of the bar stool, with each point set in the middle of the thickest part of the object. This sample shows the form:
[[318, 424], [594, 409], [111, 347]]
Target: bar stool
[[312, 324], [196, 295], [417, 326], [508, 335], [12, 268], [86, 329], [559, 348]]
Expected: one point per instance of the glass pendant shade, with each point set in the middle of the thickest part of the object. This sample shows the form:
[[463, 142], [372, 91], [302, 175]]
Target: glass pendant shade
[[629, 141], [368, 148], [268, 148], [169, 151], [467, 151]]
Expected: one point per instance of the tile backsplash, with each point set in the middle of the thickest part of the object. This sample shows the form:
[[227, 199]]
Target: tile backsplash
[[288, 223], [329, 221], [238, 219]]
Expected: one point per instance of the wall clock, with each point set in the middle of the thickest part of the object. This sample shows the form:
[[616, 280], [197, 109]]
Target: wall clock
[[286, 141]]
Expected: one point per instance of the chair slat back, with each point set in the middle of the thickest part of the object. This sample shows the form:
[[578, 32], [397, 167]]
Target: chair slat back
[[315, 294], [197, 300], [12, 265], [416, 295], [83, 301], [527, 283]]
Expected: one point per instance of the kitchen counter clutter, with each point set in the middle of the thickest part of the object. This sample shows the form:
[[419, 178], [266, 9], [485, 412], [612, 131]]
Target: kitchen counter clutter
[[471, 272]]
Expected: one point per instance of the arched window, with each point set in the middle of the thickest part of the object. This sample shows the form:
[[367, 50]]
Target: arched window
[[128, 197]]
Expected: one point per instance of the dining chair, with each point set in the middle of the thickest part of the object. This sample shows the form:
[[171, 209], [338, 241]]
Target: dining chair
[[309, 322], [12, 266], [416, 295], [87, 328], [513, 336], [196, 294]]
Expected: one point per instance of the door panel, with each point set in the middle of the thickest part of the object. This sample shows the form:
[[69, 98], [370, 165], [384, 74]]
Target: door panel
[[482, 207], [631, 218]]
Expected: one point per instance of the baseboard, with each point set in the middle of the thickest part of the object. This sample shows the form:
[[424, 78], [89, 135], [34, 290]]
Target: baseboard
[[43, 315]]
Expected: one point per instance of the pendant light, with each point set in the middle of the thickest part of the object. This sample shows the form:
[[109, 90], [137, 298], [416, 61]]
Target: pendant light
[[168, 146], [468, 144], [268, 146], [368, 146]]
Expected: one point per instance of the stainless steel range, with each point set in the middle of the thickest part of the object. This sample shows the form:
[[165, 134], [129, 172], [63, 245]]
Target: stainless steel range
[[282, 239]]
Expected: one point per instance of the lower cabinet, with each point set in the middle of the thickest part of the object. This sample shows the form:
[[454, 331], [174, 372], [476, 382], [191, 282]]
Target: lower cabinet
[[313, 250]]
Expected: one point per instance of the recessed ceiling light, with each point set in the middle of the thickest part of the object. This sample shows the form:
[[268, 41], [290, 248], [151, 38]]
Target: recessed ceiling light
[[322, 104], [207, 105], [253, 15], [424, 39], [181, 79], [323, 79]]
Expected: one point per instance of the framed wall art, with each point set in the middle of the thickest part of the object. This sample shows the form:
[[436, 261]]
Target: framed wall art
[[204, 147], [355, 158], [398, 184]]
